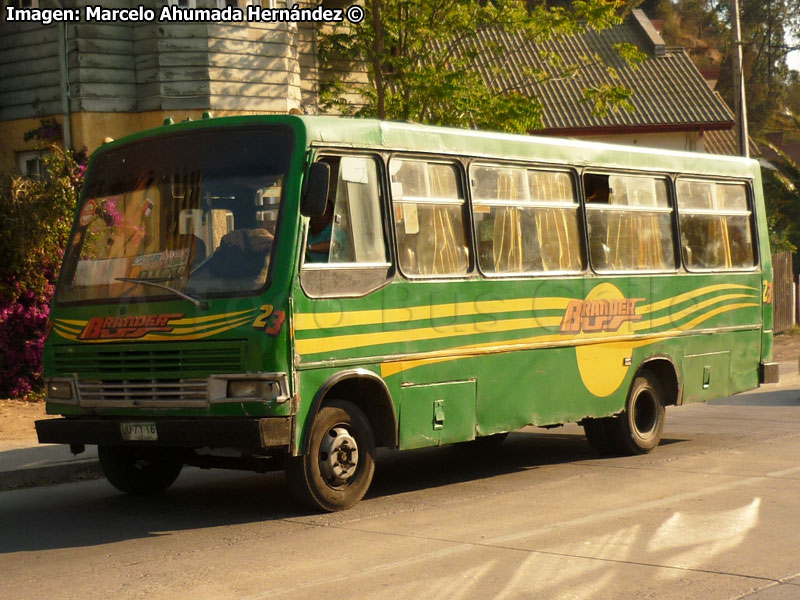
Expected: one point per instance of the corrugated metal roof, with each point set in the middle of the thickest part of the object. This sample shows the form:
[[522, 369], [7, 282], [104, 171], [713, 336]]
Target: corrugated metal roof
[[668, 90], [726, 142]]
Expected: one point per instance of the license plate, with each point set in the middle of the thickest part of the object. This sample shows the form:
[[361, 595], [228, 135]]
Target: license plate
[[139, 431]]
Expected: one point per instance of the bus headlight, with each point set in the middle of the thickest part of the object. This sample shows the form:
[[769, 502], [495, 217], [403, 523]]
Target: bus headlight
[[245, 388], [59, 389], [256, 387]]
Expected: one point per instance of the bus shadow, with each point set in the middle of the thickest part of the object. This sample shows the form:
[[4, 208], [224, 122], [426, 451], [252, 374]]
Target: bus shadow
[[93, 513], [415, 470]]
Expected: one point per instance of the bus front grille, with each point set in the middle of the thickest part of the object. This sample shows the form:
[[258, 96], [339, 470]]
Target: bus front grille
[[144, 393], [144, 361]]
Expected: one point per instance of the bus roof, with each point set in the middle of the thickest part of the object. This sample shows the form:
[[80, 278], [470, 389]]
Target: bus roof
[[347, 132]]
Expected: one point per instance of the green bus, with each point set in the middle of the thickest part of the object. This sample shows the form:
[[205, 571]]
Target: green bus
[[292, 292]]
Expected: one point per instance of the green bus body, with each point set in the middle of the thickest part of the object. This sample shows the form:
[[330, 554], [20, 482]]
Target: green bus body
[[427, 360]]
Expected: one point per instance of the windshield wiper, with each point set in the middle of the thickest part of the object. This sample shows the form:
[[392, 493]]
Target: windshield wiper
[[193, 300]]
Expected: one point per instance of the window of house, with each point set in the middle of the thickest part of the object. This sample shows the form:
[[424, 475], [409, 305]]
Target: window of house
[[429, 218], [526, 220], [183, 3], [31, 164], [222, 4], [629, 220], [22, 3], [715, 220]]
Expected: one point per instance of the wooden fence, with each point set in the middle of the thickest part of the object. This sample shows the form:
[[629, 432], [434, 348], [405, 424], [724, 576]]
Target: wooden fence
[[782, 291]]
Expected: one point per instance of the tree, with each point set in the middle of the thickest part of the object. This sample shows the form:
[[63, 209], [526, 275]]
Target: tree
[[35, 217], [431, 60], [704, 28], [782, 196]]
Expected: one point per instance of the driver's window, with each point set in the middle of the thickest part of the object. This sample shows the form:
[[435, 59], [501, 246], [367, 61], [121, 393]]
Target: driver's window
[[350, 236], [351, 229]]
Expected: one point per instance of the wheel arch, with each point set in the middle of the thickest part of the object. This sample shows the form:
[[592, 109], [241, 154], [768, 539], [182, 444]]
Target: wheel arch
[[368, 392], [665, 370]]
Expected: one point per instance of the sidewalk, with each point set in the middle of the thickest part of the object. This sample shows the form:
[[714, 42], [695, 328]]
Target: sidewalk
[[26, 464]]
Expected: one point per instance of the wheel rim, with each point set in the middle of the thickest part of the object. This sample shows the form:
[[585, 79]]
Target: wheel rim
[[645, 414], [338, 456]]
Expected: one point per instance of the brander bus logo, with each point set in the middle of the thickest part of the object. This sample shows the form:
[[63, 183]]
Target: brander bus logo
[[129, 328], [592, 316]]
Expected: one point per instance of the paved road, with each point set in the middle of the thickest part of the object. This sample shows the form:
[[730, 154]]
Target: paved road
[[714, 512]]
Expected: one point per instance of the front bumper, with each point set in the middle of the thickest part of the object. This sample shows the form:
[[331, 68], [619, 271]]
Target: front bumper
[[239, 433]]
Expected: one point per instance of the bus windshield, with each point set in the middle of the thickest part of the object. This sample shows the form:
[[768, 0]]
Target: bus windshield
[[188, 215]]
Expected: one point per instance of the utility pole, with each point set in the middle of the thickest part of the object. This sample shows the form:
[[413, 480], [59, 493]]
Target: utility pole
[[738, 76]]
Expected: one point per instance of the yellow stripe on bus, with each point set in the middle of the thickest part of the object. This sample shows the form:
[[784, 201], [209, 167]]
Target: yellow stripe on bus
[[217, 317], [358, 340], [667, 302], [671, 319], [342, 318], [176, 336], [336, 319], [532, 343]]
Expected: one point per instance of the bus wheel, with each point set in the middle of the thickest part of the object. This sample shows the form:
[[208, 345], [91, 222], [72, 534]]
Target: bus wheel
[[139, 470], [337, 470], [638, 429]]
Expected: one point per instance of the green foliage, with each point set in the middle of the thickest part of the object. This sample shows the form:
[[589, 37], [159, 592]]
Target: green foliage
[[432, 62], [704, 27], [782, 195], [36, 216]]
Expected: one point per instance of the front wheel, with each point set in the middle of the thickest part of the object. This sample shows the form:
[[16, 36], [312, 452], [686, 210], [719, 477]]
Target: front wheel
[[338, 468], [139, 470]]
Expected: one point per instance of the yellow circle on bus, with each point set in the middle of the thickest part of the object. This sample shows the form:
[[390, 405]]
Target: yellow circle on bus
[[602, 364]]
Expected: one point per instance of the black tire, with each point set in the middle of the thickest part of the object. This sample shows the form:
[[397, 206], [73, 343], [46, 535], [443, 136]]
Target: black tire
[[338, 469], [597, 434], [139, 470], [638, 429]]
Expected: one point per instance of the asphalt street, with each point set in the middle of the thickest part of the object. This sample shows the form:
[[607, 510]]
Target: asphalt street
[[713, 513]]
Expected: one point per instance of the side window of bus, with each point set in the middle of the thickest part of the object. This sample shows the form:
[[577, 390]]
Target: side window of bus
[[715, 225], [350, 235], [429, 218], [629, 220], [351, 230], [526, 221]]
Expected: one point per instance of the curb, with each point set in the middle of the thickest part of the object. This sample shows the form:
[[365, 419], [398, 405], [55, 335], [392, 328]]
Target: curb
[[64, 472]]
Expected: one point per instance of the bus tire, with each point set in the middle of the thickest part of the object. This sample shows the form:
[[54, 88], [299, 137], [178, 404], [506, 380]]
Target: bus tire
[[638, 429], [338, 468], [598, 436], [139, 470]]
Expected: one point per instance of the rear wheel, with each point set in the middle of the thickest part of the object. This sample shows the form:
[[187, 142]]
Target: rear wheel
[[338, 468], [139, 470], [638, 430]]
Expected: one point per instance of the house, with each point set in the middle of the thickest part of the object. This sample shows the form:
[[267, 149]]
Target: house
[[675, 108], [93, 79]]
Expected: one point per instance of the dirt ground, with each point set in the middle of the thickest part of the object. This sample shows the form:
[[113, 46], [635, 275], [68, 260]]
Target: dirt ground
[[17, 416], [787, 347], [16, 420]]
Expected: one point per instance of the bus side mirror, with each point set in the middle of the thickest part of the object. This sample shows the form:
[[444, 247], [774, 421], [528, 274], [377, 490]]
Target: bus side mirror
[[316, 196]]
